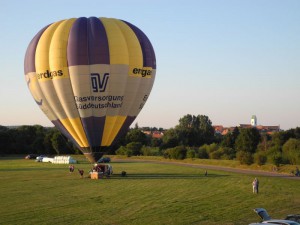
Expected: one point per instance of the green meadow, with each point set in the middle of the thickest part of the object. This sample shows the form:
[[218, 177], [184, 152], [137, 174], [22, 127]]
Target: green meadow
[[45, 193]]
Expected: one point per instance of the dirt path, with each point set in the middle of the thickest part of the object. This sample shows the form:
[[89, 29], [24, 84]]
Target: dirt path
[[211, 167]]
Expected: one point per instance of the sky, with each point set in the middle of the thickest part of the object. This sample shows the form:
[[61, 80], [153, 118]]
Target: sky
[[226, 59]]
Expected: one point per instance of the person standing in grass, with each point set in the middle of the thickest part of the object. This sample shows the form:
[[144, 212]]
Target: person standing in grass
[[71, 168], [255, 184]]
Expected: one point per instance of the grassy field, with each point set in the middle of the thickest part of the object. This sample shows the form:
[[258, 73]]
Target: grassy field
[[44, 193]]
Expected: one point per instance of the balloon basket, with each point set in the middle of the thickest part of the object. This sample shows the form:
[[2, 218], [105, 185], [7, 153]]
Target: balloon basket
[[97, 176]]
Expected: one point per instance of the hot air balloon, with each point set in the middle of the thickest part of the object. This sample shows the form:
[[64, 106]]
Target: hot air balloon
[[91, 77]]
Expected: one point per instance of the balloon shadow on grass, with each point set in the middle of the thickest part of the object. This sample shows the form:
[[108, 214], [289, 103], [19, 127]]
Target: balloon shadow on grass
[[165, 176]]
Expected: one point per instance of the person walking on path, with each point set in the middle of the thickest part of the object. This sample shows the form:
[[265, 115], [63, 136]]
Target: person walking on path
[[255, 184]]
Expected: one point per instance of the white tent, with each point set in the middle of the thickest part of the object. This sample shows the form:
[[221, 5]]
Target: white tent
[[64, 160]]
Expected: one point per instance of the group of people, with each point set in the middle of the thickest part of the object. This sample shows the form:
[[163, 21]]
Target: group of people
[[80, 171], [103, 169]]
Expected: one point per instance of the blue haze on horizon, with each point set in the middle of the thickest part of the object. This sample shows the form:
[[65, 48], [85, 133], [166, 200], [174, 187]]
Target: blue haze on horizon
[[228, 60]]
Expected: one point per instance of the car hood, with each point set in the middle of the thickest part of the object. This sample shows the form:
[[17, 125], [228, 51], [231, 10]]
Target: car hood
[[262, 213], [284, 221]]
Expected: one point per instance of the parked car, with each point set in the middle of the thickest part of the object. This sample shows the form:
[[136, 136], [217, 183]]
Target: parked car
[[293, 217], [104, 160], [31, 156], [40, 158], [266, 219]]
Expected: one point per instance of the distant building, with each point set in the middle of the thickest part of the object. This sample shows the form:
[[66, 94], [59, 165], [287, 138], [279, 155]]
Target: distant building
[[154, 134], [261, 128], [253, 121], [219, 129], [157, 134]]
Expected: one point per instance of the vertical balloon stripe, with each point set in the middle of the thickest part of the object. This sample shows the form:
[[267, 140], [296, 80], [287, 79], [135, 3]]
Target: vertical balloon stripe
[[32, 80], [98, 43], [43, 71], [45, 83], [118, 52], [62, 84], [69, 127], [98, 55], [112, 126], [77, 50], [117, 45], [42, 51], [135, 61], [137, 88], [58, 48], [77, 54], [65, 132], [94, 127], [29, 62], [148, 51], [87, 45], [133, 45], [124, 128]]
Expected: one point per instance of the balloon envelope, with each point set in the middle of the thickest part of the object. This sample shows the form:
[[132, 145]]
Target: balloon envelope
[[91, 77]]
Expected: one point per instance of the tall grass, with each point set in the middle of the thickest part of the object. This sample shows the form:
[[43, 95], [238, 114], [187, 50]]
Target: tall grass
[[44, 193]]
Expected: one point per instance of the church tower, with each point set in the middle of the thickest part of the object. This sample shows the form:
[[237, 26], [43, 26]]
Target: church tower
[[253, 121]]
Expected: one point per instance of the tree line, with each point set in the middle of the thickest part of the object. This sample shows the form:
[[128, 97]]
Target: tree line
[[192, 137], [34, 140]]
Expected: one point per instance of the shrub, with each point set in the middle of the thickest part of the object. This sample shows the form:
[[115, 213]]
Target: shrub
[[215, 155], [212, 148], [245, 157], [260, 158], [291, 151], [275, 158], [228, 153], [166, 153], [150, 151], [191, 153], [178, 152], [202, 153], [134, 148], [121, 151]]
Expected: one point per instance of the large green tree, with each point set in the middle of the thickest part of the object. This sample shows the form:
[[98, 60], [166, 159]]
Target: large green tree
[[247, 140], [59, 143], [170, 139], [136, 135], [5, 140], [194, 130], [230, 138]]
